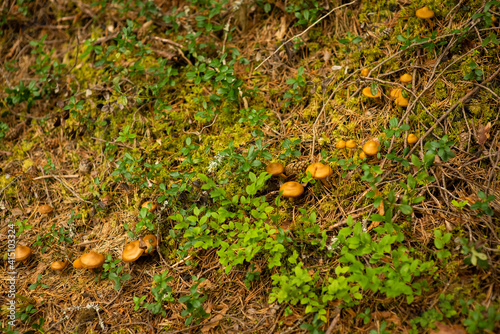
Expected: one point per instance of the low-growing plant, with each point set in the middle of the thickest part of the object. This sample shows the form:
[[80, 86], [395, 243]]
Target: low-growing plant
[[38, 283], [162, 293], [113, 272], [194, 303]]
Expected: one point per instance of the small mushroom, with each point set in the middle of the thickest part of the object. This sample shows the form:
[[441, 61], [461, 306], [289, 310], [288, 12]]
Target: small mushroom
[[77, 264], [92, 260], [58, 266], [341, 146], [45, 209], [151, 207], [364, 72], [367, 91], [405, 78], [395, 93], [371, 148], [22, 253], [132, 251], [151, 242], [362, 155], [292, 190], [320, 171], [401, 101], [424, 13], [276, 169], [412, 139], [351, 145]]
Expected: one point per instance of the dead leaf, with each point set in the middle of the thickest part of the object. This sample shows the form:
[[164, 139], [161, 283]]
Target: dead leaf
[[445, 329], [214, 322], [483, 132], [386, 315]]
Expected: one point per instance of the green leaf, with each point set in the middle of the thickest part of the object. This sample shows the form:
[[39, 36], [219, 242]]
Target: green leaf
[[406, 209]]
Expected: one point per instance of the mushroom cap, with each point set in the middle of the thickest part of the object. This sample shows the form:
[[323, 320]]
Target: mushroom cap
[[370, 148], [350, 144], [319, 171], [364, 72], [151, 243], [362, 155], [45, 209], [395, 93], [92, 260], [292, 189], [58, 265], [132, 251], [367, 91], [424, 13], [146, 205], [340, 144], [405, 78], [412, 139], [77, 264], [275, 168], [401, 101], [22, 253]]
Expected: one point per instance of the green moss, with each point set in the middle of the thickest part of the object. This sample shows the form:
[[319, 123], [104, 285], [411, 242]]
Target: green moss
[[440, 90]]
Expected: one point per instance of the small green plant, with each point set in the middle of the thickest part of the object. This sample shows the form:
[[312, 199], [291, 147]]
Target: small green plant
[[298, 83], [22, 226], [483, 205], [350, 38], [4, 128], [442, 148], [112, 271], [251, 276], [162, 293], [26, 313], [22, 93], [475, 73], [479, 318], [126, 136], [440, 240], [289, 146], [38, 283], [314, 327], [194, 303], [60, 235], [474, 256]]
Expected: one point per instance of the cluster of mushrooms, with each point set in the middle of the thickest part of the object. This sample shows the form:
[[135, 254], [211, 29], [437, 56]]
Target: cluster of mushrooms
[[395, 94], [321, 172], [93, 260]]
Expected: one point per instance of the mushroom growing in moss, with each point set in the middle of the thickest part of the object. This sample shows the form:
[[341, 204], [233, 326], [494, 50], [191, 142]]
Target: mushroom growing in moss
[[276, 169], [370, 148], [364, 72], [367, 91], [92, 260], [412, 139], [395, 93], [58, 266], [401, 101], [151, 242], [351, 145], [405, 78], [22, 253], [45, 209], [150, 205], [424, 13], [77, 264], [320, 171], [292, 190], [132, 251]]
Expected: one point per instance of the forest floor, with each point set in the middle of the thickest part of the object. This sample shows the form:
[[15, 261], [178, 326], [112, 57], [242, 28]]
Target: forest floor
[[126, 119]]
